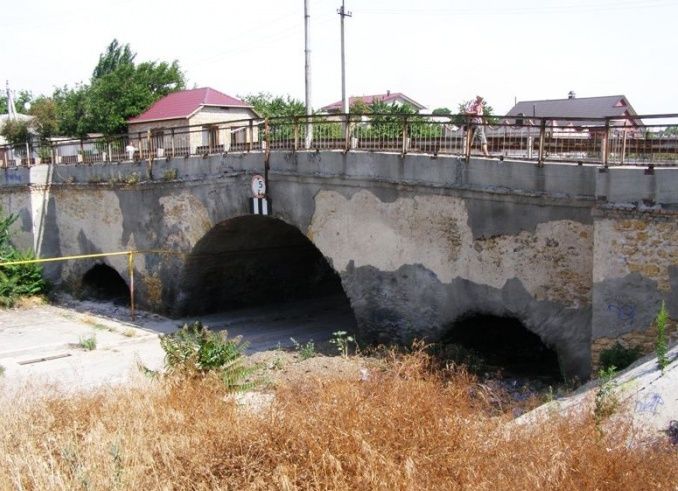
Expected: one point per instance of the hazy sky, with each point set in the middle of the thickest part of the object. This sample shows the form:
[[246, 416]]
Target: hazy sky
[[439, 52]]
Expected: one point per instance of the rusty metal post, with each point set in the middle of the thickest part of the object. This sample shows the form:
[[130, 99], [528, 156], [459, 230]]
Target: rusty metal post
[[542, 143], [267, 143], [469, 141], [173, 150], [130, 270], [606, 143], [141, 148], [295, 122], [250, 135], [405, 145], [149, 142]]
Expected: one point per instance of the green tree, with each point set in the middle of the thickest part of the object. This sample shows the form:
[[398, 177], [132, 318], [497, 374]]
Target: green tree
[[16, 132], [119, 89], [72, 111], [269, 106], [45, 122], [115, 56], [126, 92], [441, 111], [460, 118], [21, 102]]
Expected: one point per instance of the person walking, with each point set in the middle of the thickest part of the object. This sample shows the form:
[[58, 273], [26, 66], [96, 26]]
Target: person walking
[[476, 111]]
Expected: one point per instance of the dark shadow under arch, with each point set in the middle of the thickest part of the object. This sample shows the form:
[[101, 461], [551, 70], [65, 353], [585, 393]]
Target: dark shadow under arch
[[506, 345], [101, 282], [254, 260]]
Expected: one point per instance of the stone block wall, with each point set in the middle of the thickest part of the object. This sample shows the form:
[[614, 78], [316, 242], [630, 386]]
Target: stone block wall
[[635, 269]]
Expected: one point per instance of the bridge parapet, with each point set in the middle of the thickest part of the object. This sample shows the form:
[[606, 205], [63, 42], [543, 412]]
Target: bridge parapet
[[650, 140]]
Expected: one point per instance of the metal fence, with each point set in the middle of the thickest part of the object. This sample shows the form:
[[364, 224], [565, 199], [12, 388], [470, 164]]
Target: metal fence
[[650, 140]]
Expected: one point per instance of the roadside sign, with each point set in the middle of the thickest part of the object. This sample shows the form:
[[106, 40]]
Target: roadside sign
[[258, 186]]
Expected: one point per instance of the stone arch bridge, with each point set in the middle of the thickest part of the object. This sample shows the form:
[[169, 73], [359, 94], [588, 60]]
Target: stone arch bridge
[[581, 257]]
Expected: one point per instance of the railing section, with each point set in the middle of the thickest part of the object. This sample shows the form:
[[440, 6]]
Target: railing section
[[639, 140]]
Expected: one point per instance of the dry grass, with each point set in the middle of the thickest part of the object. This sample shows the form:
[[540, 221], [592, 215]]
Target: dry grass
[[406, 427]]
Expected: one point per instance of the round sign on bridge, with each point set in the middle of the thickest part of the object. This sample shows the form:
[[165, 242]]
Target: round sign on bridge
[[258, 186]]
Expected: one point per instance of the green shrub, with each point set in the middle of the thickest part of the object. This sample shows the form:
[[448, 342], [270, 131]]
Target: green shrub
[[170, 175], [606, 401], [306, 350], [194, 350], [89, 343], [18, 280], [662, 343], [619, 356]]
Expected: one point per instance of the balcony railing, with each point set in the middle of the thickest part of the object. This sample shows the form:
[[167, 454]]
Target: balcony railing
[[650, 140]]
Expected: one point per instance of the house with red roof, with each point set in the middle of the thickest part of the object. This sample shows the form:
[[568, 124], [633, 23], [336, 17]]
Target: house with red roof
[[169, 119], [389, 97]]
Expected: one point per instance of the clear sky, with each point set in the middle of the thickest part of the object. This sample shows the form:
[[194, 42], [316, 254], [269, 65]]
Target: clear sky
[[438, 52]]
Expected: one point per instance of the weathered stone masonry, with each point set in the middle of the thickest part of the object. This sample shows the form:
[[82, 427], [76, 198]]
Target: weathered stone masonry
[[418, 242], [635, 270]]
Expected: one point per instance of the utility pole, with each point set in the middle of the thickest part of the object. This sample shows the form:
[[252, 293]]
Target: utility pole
[[307, 72], [344, 101]]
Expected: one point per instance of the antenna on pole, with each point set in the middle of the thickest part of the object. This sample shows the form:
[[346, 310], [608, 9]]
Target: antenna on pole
[[344, 101], [307, 73], [11, 108]]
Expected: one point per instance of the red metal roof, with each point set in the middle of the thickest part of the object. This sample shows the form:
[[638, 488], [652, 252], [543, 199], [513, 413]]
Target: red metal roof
[[184, 103], [369, 99]]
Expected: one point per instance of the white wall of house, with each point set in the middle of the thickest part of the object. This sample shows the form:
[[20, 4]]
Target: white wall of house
[[185, 139]]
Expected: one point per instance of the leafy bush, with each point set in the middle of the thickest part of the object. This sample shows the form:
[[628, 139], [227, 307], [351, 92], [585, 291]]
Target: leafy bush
[[662, 343], [606, 401], [306, 350], [194, 350], [89, 343], [18, 280], [619, 356]]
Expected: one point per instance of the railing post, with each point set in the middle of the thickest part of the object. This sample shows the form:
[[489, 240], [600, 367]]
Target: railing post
[[405, 144], [606, 143], [81, 157], [141, 147], [250, 135], [468, 139], [172, 137], [623, 148], [267, 143], [130, 270], [542, 142], [347, 134], [28, 155], [295, 123], [150, 145]]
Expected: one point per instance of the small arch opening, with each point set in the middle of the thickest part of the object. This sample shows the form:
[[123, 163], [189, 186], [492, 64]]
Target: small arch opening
[[101, 282], [503, 345]]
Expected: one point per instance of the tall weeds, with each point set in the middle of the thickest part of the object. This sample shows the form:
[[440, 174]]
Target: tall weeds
[[407, 426]]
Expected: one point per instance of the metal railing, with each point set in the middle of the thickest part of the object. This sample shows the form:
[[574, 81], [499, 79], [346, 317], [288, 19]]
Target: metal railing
[[650, 140]]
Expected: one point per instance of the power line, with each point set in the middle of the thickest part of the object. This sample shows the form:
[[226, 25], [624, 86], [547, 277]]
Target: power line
[[513, 10]]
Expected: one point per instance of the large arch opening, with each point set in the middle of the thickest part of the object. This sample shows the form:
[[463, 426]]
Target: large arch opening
[[101, 282], [261, 263], [503, 345]]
